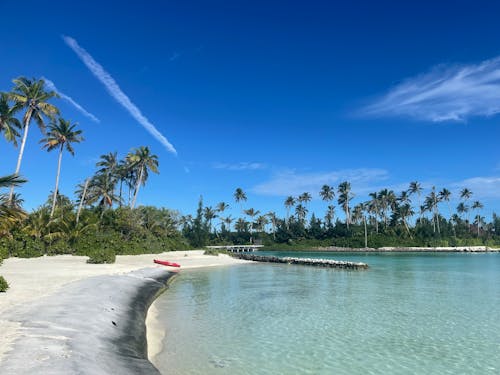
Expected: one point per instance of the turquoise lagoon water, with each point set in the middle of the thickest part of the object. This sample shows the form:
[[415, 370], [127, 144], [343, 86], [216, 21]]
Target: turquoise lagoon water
[[407, 314]]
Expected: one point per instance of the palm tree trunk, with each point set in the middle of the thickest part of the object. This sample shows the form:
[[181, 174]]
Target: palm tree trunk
[[82, 199], [407, 228], [139, 180], [120, 202], [27, 119], [54, 197], [366, 233]]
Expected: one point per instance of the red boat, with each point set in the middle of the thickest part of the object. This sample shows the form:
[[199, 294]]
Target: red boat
[[165, 263]]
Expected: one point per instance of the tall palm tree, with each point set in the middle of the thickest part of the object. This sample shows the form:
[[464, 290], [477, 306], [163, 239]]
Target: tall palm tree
[[273, 218], [61, 135], [359, 215], [252, 213], [31, 96], [289, 203], [227, 222], [209, 213], [221, 207], [142, 161], [109, 165], [344, 197], [374, 208], [476, 205], [445, 195], [240, 197], [9, 124], [101, 190], [304, 198], [416, 188], [261, 222], [330, 215], [327, 193], [431, 202], [301, 212], [82, 200], [462, 209], [465, 195], [478, 221]]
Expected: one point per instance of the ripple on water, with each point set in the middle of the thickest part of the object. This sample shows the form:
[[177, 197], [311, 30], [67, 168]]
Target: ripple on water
[[415, 314]]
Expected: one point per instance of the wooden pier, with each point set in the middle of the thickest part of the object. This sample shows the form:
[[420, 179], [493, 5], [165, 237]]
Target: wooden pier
[[236, 248], [304, 261]]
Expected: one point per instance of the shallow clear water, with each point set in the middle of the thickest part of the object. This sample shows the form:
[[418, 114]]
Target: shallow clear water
[[408, 314]]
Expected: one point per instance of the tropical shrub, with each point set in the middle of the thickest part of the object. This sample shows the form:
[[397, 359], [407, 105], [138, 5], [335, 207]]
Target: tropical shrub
[[101, 255], [4, 285]]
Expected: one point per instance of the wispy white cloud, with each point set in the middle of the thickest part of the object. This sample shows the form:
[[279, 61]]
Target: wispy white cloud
[[293, 183], [50, 85], [481, 187], [446, 93], [242, 166], [116, 92]]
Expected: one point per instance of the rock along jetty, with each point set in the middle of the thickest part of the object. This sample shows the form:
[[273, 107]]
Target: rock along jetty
[[304, 261]]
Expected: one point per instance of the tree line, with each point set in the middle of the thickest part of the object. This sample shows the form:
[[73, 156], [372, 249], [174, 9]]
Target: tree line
[[103, 220], [388, 218]]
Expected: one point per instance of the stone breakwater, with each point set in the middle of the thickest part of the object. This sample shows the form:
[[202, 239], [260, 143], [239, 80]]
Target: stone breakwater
[[94, 326], [304, 261]]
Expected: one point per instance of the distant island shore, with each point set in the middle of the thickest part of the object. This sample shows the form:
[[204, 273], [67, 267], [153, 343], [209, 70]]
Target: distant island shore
[[449, 249]]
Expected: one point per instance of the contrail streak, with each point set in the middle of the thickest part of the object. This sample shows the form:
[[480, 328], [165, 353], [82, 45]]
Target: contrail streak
[[116, 92]]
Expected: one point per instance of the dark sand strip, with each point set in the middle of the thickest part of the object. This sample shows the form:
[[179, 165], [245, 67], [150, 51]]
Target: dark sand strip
[[93, 326]]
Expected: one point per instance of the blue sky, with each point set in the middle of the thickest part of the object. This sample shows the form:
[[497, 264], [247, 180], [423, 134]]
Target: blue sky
[[277, 98]]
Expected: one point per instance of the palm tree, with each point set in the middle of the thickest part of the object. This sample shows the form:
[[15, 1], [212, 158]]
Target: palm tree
[[101, 190], [82, 199], [239, 197], [330, 215], [227, 222], [241, 225], [261, 223], [304, 198], [9, 214], [478, 221], [289, 203], [109, 165], [301, 212], [478, 206], [273, 218], [359, 214], [431, 203], [252, 213], [221, 207], [209, 213], [327, 193], [465, 195], [445, 195], [373, 208], [344, 197], [61, 136], [31, 95], [142, 161], [416, 188], [9, 124], [462, 208]]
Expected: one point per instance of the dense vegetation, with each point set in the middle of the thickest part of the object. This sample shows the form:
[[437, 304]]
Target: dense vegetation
[[103, 220], [387, 219]]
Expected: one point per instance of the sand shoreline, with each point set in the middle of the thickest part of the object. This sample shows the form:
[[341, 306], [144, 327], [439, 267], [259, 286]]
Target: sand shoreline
[[51, 283], [415, 249]]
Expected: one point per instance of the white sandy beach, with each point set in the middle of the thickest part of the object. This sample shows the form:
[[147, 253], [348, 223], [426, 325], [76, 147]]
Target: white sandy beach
[[31, 279]]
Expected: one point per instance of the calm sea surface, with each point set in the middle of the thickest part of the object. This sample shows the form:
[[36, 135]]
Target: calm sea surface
[[407, 314]]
